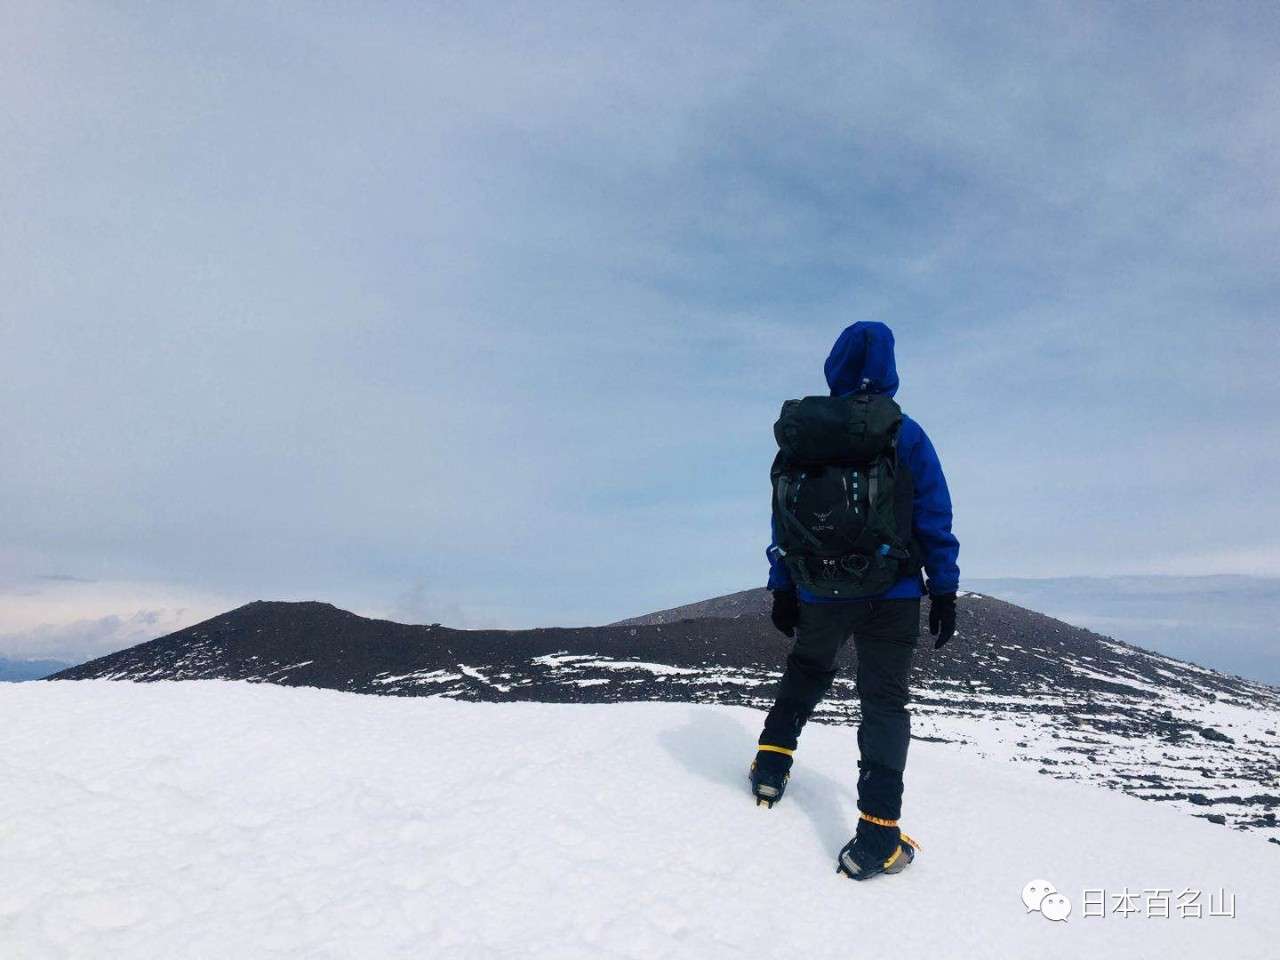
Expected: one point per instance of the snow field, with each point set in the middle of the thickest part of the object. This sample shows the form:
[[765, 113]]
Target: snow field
[[233, 820]]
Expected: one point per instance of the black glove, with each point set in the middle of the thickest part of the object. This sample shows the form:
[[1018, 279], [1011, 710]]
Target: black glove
[[942, 617], [786, 611]]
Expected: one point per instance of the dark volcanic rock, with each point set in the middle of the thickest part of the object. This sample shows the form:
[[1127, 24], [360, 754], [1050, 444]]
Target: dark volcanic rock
[[1014, 685], [1211, 734]]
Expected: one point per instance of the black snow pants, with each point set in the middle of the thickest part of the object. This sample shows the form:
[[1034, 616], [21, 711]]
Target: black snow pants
[[884, 636]]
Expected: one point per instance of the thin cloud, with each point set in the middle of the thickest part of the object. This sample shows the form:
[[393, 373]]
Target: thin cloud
[[508, 305]]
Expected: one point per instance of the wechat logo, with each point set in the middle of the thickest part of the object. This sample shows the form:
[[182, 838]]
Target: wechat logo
[[1042, 897]]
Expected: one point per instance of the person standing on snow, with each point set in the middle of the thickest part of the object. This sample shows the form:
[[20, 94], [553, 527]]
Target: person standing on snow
[[860, 507]]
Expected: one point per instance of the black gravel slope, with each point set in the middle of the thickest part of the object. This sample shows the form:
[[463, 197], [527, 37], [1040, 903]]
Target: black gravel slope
[[1015, 684]]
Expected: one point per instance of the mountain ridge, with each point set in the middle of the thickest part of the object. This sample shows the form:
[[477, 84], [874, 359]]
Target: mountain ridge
[[1014, 684]]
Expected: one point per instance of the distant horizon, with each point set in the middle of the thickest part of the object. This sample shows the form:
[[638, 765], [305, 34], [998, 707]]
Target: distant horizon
[[484, 319], [1258, 660]]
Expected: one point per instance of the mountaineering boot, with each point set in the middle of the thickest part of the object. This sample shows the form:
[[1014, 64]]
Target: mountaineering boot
[[878, 847], [769, 773]]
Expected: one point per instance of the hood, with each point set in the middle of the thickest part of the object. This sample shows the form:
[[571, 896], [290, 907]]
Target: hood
[[862, 361]]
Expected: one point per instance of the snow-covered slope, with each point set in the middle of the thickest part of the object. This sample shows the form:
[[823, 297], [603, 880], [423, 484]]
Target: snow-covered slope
[[215, 819], [1015, 685], [1221, 621]]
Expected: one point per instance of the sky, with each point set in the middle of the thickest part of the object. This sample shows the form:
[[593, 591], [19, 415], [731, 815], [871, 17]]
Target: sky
[[482, 314]]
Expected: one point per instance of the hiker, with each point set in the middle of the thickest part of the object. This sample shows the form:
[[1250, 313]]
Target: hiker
[[860, 508]]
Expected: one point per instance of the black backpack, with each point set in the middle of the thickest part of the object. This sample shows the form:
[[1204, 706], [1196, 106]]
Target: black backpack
[[841, 500]]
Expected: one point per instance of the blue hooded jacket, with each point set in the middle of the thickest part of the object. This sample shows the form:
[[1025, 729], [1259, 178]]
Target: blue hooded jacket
[[862, 362]]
